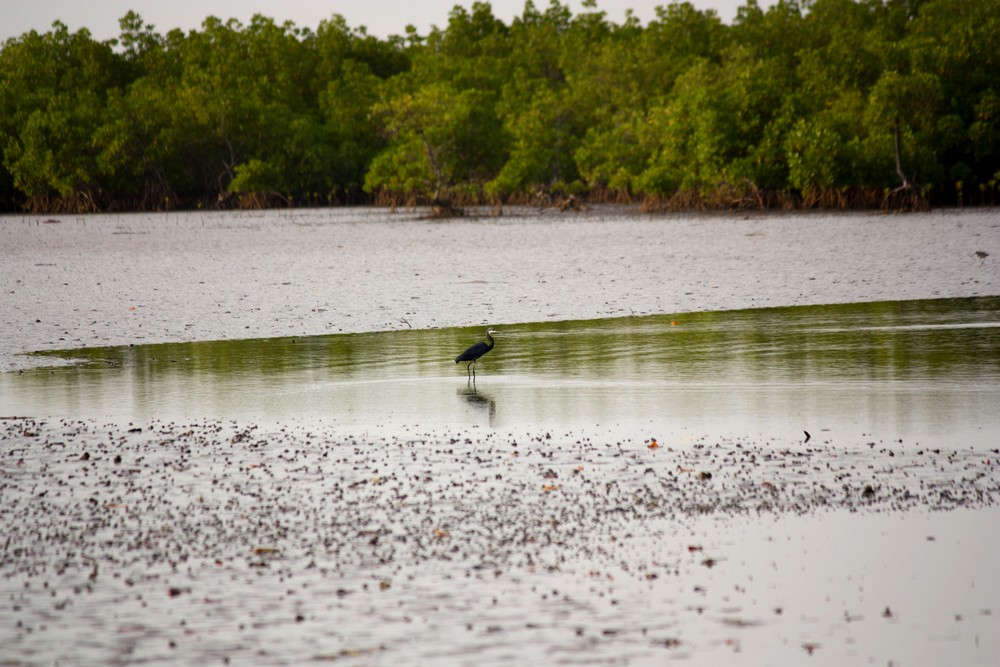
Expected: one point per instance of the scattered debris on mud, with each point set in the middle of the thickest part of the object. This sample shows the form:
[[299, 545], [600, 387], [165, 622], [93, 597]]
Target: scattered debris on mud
[[214, 538]]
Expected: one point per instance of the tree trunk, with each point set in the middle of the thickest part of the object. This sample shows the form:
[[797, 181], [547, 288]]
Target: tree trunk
[[440, 207], [899, 162], [438, 175], [907, 197]]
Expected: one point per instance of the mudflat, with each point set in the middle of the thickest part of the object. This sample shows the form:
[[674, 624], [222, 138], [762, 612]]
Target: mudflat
[[310, 540], [117, 280]]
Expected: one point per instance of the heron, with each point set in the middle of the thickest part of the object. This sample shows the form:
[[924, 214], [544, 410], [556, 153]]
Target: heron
[[475, 351]]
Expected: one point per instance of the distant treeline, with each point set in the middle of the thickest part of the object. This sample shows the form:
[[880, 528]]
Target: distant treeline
[[832, 103]]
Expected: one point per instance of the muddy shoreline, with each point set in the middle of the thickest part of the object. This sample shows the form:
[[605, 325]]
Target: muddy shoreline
[[222, 541], [172, 543], [91, 281]]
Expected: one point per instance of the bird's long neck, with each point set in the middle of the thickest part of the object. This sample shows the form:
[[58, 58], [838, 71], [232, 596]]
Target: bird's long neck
[[489, 338]]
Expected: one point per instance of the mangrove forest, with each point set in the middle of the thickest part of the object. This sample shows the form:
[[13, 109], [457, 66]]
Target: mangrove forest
[[816, 103]]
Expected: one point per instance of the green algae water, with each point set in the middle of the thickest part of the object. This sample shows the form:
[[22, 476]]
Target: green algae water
[[911, 372]]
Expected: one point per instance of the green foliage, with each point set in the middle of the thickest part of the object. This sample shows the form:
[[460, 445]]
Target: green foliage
[[442, 141], [53, 92], [800, 98]]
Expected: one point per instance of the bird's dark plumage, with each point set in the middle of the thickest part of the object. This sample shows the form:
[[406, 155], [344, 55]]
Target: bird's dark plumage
[[475, 351]]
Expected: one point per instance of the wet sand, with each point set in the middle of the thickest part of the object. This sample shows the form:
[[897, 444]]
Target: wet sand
[[131, 279], [219, 542], [242, 542]]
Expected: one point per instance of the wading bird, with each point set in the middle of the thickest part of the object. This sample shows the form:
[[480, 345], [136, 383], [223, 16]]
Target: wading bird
[[474, 352]]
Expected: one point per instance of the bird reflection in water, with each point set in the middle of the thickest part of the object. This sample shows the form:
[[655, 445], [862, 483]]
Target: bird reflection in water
[[480, 401]]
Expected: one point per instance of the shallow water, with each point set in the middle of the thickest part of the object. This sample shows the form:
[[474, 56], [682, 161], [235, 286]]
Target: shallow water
[[918, 372]]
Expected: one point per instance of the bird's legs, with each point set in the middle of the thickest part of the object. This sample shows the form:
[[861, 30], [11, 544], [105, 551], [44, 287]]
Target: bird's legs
[[470, 371]]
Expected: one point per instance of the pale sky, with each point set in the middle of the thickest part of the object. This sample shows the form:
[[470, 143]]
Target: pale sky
[[381, 17]]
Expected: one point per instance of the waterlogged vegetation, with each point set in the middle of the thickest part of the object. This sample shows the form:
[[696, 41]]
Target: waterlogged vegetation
[[836, 103]]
